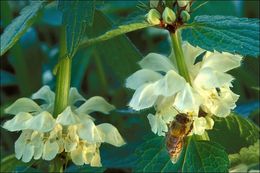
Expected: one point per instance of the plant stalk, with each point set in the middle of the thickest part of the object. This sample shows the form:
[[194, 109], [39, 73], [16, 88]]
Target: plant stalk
[[179, 56], [63, 78]]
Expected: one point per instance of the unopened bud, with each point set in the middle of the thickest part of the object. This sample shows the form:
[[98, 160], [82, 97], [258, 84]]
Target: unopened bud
[[153, 17], [182, 3], [185, 16], [168, 16]]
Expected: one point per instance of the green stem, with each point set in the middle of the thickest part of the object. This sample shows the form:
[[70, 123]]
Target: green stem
[[63, 78], [179, 56]]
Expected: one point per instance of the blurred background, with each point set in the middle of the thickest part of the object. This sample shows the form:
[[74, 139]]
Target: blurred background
[[102, 69]]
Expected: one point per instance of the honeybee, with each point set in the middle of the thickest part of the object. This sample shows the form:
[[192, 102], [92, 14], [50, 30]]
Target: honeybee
[[178, 129]]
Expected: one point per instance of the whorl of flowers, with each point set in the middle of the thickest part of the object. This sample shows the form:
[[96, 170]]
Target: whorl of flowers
[[72, 132], [159, 84]]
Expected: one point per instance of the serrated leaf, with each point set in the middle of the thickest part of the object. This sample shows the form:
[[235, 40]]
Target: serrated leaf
[[205, 156], [224, 33], [199, 156], [76, 16], [19, 25], [234, 132]]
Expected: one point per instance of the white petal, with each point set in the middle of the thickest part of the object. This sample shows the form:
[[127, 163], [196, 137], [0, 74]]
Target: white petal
[[208, 79], [96, 160], [144, 97], [45, 93], [210, 122], [110, 134], [50, 150], [23, 105], [77, 156], [187, 100], [156, 62], [88, 131], [68, 117], [199, 125], [170, 84], [43, 122], [142, 77], [28, 152], [74, 96], [95, 103], [19, 122], [190, 54], [222, 62], [158, 126], [20, 143]]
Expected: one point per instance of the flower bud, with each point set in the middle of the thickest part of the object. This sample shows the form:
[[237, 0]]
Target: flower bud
[[168, 16], [154, 3], [185, 16], [182, 3], [153, 17]]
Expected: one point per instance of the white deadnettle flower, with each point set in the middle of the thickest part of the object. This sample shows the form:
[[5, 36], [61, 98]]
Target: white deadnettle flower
[[73, 131], [170, 93], [153, 17]]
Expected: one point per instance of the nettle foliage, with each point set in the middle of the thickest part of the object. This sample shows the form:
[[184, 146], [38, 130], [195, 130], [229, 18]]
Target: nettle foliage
[[190, 91]]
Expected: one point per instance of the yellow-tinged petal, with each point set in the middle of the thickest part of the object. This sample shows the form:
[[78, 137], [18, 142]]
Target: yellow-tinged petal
[[19, 122], [77, 156], [110, 134], [153, 17], [71, 140], [23, 105], [43, 122], [96, 160], [68, 117], [50, 150], [199, 125], [88, 131], [94, 104]]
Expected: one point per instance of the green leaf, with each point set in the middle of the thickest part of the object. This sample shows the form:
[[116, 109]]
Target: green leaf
[[199, 156], [10, 164], [19, 25], [76, 16], [205, 156], [224, 33], [116, 52], [234, 132]]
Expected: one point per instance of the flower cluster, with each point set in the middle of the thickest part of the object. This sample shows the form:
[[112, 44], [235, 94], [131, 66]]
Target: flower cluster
[[162, 13], [73, 131], [159, 84]]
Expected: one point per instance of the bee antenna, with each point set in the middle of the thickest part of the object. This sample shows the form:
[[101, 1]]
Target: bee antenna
[[176, 109]]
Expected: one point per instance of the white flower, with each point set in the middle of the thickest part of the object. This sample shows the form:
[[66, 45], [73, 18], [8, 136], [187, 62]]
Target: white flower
[[73, 131], [209, 89]]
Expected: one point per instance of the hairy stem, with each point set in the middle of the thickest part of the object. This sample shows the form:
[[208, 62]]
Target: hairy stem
[[179, 56]]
